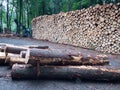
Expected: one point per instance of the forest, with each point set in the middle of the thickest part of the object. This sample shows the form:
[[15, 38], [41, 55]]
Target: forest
[[16, 15]]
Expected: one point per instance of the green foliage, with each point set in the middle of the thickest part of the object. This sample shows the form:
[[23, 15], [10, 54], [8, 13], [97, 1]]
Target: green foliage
[[76, 5]]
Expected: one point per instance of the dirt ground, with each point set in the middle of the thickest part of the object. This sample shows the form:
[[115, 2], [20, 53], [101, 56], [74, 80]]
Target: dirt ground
[[6, 83]]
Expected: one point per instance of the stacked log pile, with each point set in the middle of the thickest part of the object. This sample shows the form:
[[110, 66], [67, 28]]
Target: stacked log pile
[[43, 62], [95, 28]]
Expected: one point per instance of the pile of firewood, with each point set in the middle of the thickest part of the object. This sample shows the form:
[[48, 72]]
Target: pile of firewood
[[95, 28], [43, 62]]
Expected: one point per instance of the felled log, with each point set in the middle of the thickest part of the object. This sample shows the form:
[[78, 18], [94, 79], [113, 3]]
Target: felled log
[[58, 57], [2, 47], [100, 73], [5, 60], [14, 49], [2, 58], [38, 47], [17, 49], [57, 62], [16, 60]]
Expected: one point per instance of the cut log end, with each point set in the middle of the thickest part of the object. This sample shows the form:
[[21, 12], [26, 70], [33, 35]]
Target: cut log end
[[27, 56]]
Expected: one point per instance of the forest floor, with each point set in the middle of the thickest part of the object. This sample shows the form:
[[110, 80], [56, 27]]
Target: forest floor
[[6, 83]]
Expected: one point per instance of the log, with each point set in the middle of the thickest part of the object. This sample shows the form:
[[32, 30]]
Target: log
[[38, 47], [56, 62], [16, 60], [2, 59], [17, 49], [5, 60], [58, 57], [2, 47], [14, 49], [100, 73]]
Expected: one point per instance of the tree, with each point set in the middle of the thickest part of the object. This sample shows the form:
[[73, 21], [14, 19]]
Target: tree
[[1, 17], [7, 16]]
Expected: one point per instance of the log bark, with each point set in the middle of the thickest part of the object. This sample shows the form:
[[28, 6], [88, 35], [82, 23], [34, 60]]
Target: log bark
[[56, 56], [100, 73]]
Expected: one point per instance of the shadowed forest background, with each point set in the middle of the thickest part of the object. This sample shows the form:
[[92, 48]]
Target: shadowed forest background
[[16, 15]]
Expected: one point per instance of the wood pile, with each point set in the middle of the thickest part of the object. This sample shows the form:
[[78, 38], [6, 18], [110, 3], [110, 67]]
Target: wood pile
[[6, 35], [95, 28], [43, 62]]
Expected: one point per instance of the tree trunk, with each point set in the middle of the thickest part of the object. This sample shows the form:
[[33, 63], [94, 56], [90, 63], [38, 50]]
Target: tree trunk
[[100, 73], [1, 18], [27, 9], [7, 16]]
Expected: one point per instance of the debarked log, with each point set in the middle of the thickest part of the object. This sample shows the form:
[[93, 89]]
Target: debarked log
[[100, 73]]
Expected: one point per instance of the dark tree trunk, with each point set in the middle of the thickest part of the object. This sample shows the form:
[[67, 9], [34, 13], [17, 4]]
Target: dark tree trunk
[[27, 14], [7, 14], [1, 26], [20, 13], [69, 5]]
